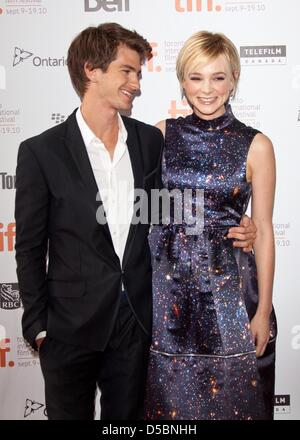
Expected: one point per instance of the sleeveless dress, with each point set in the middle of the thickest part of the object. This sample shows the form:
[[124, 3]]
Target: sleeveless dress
[[202, 362]]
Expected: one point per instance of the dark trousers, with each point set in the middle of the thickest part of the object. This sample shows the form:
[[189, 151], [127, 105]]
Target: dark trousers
[[72, 374]]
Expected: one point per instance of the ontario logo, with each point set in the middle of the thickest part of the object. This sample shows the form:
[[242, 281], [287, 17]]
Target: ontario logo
[[10, 296], [21, 55], [262, 55], [31, 407], [106, 5]]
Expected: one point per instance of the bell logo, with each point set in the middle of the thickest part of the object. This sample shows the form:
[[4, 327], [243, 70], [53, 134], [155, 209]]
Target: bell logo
[[197, 5], [150, 63], [4, 349], [106, 5], [7, 238]]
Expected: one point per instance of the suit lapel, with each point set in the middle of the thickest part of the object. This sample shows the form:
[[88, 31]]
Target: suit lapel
[[134, 149], [75, 144]]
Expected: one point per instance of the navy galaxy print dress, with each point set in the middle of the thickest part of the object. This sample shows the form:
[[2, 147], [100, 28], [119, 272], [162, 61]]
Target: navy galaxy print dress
[[202, 360]]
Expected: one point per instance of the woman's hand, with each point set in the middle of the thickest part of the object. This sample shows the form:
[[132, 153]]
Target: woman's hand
[[244, 235], [260, 329]]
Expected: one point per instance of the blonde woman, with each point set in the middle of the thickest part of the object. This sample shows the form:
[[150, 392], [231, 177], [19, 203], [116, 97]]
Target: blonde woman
[[213, 347]]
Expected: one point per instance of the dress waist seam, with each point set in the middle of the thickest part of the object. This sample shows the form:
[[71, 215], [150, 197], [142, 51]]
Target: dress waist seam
[[206, 355]]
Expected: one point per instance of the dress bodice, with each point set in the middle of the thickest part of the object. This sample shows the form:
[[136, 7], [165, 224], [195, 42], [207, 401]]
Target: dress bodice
[[210, 155]]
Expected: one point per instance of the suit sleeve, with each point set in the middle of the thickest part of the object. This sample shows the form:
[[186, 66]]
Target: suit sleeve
[[31, 214], [158, 177], [156, 211]]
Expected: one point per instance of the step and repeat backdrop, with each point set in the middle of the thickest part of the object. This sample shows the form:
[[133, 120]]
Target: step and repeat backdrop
[[36, 93]]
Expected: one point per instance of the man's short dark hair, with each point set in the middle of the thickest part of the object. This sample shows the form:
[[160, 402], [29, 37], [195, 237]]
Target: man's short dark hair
[[98, 47]]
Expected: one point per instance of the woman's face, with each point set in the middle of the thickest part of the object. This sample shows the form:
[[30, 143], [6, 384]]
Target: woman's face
[[208, 87]]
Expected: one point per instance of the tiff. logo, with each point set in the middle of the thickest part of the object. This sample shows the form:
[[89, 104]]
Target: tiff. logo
[[7, 238], [4, 349], [106, 5], [150, 63], [181, 109], [196, 5]]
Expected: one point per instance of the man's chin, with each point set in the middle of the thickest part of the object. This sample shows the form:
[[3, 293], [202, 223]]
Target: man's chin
[[126, 108]]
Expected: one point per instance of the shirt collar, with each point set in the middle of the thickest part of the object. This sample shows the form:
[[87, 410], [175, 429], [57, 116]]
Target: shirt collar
[[87, 134]]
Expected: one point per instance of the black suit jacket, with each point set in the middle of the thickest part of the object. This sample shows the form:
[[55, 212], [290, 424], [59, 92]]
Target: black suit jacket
[[75, 296]]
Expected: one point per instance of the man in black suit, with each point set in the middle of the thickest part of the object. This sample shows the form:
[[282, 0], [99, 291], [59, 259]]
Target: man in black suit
[[94, 299], [89, 310]]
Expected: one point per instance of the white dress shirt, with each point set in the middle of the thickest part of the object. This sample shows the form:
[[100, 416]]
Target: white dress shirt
[[114, 179], [115, 183]]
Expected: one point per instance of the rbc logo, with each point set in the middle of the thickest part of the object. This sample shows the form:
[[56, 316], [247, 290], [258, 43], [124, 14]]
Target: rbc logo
[[106, 5], [9, 296]]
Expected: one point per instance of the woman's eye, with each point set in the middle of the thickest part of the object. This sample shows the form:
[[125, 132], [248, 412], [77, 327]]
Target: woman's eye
[[220, 78]]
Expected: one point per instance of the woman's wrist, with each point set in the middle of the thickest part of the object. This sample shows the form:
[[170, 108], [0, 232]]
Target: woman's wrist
[[264, 311]]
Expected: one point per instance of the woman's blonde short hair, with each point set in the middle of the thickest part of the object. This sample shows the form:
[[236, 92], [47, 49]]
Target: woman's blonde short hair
[[205, 46]]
